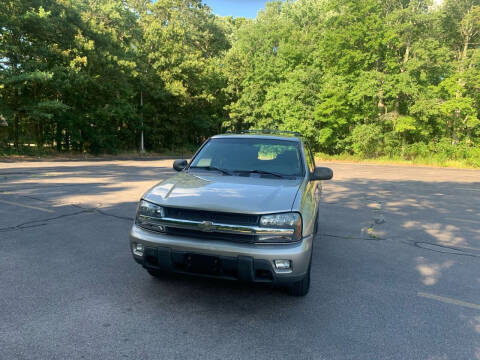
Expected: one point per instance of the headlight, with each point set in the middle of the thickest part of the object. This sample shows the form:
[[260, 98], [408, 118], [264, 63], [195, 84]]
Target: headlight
[[291, 221], [147, 214]]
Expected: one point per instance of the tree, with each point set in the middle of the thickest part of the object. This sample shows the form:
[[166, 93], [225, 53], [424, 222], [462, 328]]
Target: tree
[[367, 77]]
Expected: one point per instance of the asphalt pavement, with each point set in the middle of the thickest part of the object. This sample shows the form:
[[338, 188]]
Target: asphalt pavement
[[395, 272]]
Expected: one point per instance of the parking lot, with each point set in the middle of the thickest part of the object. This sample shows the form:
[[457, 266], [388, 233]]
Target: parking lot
[[395, 273]]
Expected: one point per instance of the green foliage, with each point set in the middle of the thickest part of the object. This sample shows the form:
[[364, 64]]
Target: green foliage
[[72, 73], [368, 78], [366, 140]]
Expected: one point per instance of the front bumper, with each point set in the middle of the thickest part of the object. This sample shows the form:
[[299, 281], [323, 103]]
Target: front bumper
[[246, 262]]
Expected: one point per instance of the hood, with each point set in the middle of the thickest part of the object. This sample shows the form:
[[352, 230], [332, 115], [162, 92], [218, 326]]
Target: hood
[[235, 194]]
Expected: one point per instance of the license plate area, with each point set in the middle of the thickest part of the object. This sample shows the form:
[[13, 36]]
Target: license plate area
[[203, 264]]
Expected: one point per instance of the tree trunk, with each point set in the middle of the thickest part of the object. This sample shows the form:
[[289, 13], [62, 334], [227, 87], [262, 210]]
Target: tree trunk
[[58, 138], [381, 108], [81, 143], [396, 107], [67, 140], [406, 55], [16, 131], [39, 135], [461, 84]]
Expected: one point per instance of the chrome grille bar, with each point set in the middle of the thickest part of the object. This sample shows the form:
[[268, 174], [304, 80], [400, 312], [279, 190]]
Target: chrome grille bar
[[207, 226]]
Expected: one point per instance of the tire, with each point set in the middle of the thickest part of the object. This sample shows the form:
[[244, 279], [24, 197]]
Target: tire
[[301, 287], [154, 273], [315, 228]]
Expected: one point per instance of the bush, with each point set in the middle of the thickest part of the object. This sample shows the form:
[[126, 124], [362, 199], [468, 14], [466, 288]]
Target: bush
[[392, 145], [443, 151], [473, 158], [367, 140], [417, 150]]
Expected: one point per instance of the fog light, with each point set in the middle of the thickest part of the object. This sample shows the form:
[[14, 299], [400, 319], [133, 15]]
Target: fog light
[[138, 249], [282, 265]]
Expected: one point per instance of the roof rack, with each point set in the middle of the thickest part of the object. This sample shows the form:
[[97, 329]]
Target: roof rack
[[265, 131]]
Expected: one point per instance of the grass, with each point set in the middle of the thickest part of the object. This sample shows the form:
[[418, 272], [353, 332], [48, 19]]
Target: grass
[[66, 156], [419, 161], [49, 154]]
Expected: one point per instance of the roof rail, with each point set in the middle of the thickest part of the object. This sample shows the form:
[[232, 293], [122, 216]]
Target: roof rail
[[265, 131]]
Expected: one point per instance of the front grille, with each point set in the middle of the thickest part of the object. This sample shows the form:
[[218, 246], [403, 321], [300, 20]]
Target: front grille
[[213, 216], [211, 235]]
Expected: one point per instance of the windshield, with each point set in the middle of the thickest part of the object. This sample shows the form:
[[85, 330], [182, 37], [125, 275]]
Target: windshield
[[247, 155]]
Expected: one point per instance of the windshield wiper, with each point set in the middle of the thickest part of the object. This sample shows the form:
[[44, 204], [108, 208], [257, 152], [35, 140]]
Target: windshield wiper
[[211, 168], [264, 172]]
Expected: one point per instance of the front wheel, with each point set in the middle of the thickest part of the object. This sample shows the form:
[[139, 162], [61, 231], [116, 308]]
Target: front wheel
[[154, 273], [301, 287], [315, 228]]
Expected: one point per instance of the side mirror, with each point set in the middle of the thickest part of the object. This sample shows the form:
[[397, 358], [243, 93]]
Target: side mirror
[[321, 173], [180, 164]]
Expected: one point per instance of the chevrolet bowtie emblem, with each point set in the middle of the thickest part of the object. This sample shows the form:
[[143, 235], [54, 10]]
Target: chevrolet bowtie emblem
[[206, 226]]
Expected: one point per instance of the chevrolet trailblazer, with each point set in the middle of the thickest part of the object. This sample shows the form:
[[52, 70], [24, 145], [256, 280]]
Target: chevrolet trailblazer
[[244, 208]]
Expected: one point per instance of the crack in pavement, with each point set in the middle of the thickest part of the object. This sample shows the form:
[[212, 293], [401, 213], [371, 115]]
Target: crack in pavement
[[43, 222], [442, 249], [104, 213], [32, 197], [418, 244], [354, 237], [17, 173]]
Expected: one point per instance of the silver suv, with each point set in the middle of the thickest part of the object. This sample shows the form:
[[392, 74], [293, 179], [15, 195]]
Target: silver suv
[[244, 208]]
